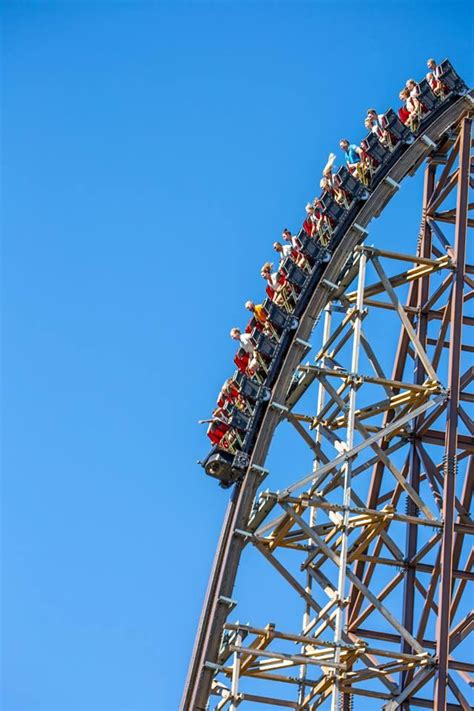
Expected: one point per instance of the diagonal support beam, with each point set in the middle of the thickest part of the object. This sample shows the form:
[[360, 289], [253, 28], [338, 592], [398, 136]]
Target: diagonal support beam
[[405, 320], [389, 429], [331, 555], [389, 464]]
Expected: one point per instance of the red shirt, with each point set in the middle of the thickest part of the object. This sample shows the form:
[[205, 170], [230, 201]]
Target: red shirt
[[308, 226], [403, 114]]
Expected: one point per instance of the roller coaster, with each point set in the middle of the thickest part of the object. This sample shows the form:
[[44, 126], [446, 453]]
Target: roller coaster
[[373, 541]]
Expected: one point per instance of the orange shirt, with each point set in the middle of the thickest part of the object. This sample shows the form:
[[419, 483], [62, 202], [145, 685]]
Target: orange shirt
[[260, 314]]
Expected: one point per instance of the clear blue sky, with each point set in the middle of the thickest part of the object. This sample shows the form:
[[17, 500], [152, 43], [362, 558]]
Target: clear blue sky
[[152, 151]]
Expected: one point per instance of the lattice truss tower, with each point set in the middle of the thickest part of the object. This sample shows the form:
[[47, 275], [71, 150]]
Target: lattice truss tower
[[368, 604]]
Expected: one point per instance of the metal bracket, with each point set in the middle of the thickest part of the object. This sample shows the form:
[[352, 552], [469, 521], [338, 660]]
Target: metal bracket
[[330, 285], [277, 406], [213, 666], [305, 344], [227, 601], [242, 534], [259, 470], [391, 182], [360, 229], [428, 142]]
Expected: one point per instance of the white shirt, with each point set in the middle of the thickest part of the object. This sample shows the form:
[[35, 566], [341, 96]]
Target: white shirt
[[246, 343], [272, 281], [376, 126]]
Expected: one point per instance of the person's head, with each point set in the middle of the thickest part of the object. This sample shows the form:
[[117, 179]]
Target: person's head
[[286, 234], [344, 144], [324, 184], [250, 306], [235, 333], [372, 113], [368, 123], [431, 64], [266, 270], [404, 94], [309, 208], [411, 83], [277, 247]]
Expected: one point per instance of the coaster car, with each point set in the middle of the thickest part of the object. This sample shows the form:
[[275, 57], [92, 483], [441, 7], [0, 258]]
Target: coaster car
[[330, 207], [279, 319], [250, 389], [374, 149], [225, 467], [426, 96], [308, 246], [346, 182], [396, 129], [450, 79], [293, 273]]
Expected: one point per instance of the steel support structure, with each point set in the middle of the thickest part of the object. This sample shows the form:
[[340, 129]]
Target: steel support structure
[[376, 539], [450, 468]]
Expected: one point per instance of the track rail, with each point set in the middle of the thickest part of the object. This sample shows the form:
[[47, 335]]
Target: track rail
[[221, 583]]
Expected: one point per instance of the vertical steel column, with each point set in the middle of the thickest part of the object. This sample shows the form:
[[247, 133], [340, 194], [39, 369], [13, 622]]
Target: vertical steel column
[[312, 513], [450, 462], [234, 689], [423, 288], [341, 614]]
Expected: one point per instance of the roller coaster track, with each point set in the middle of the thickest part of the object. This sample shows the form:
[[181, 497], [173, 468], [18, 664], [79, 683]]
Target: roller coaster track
[[448, 132]]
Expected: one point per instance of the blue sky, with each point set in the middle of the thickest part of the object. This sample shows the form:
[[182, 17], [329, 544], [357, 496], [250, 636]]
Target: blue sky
[[152, 151]]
